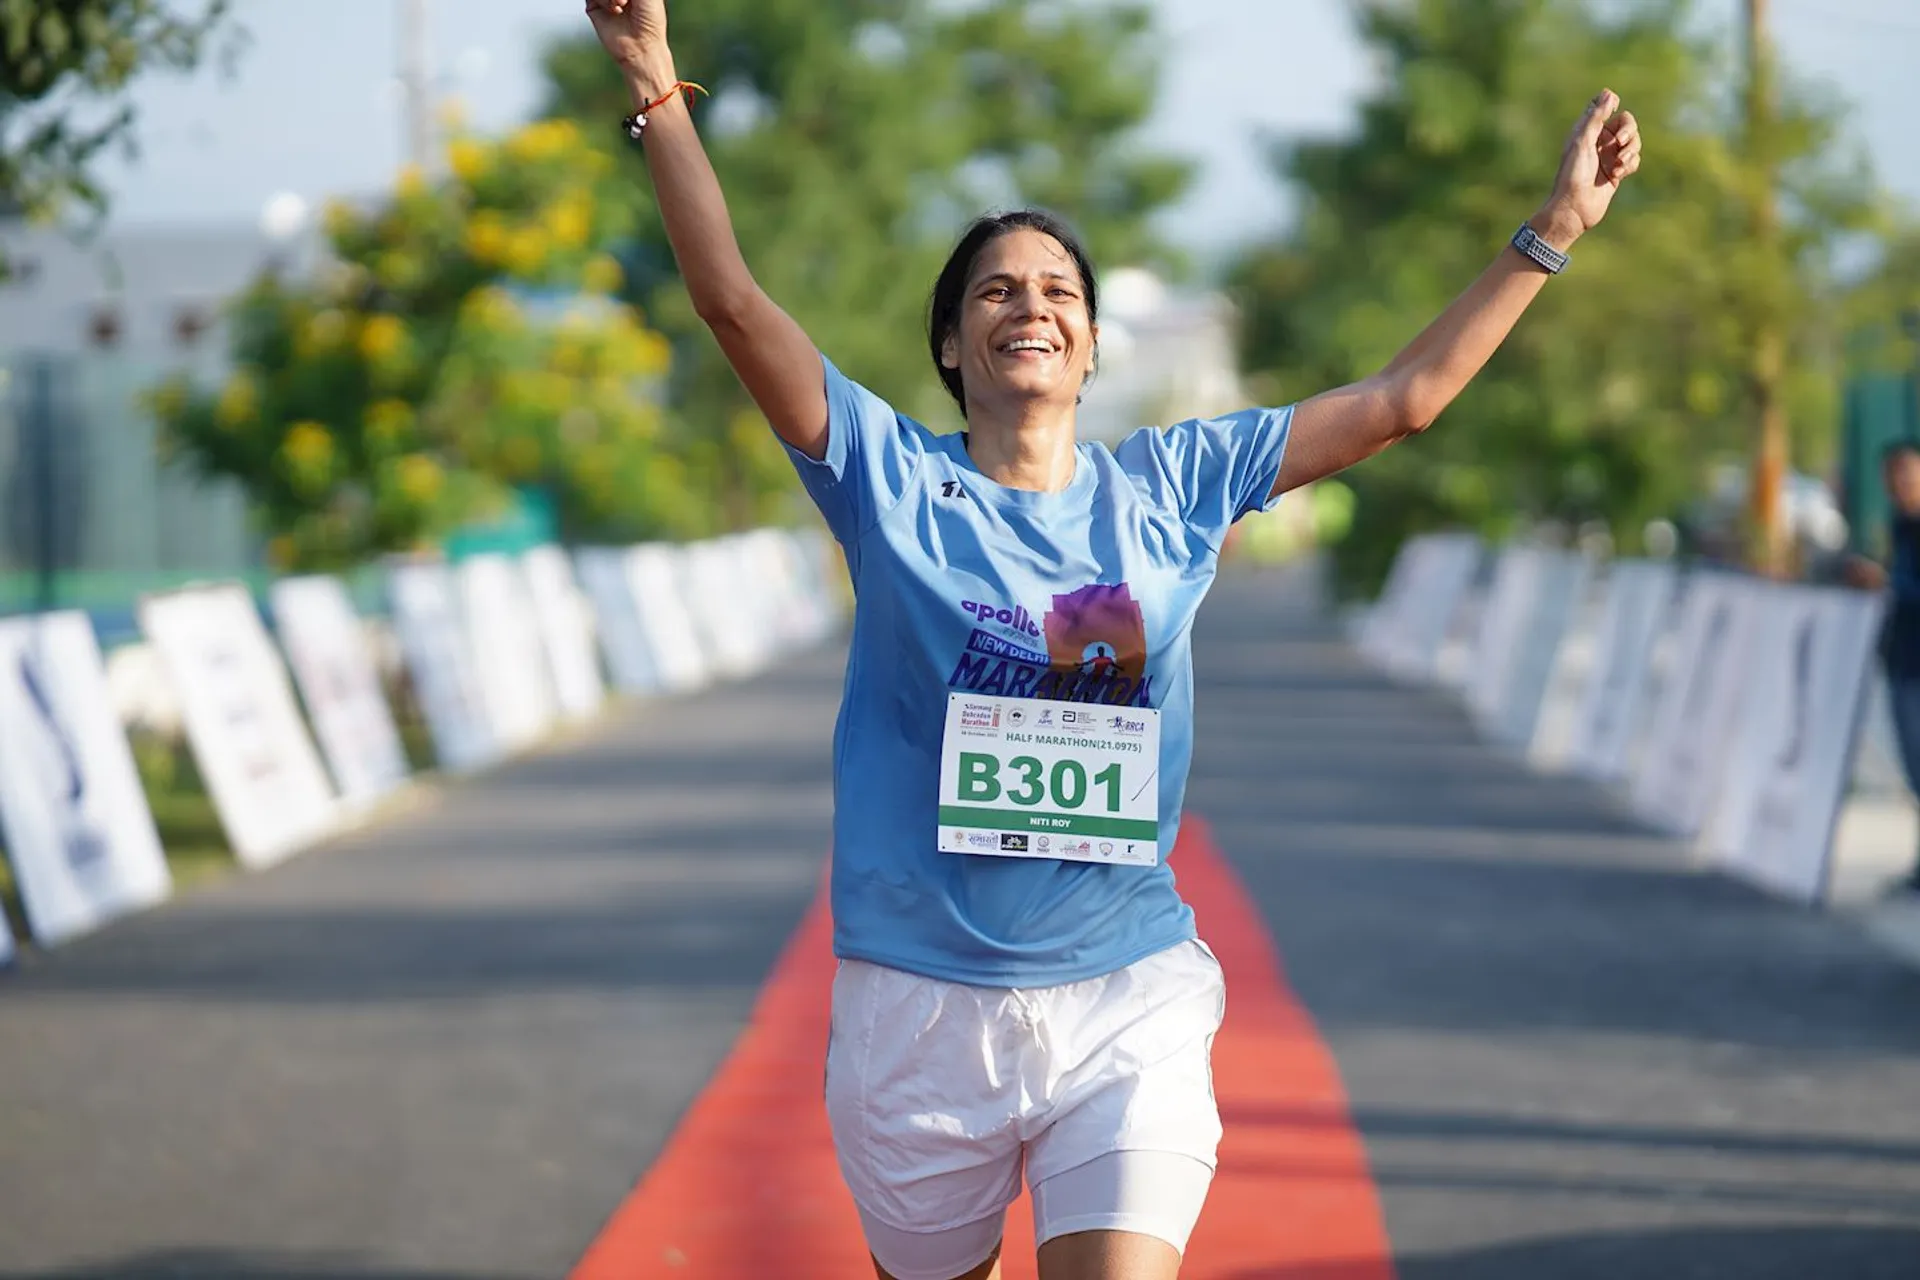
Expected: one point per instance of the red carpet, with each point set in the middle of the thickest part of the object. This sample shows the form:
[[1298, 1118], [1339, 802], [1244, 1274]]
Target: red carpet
[[747, 1187]]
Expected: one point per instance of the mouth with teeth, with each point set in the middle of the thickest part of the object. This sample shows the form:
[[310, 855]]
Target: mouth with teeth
[[1028, 348]]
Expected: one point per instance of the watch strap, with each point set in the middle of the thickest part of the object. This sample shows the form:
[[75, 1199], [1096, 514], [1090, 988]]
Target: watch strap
[[1528, 242]]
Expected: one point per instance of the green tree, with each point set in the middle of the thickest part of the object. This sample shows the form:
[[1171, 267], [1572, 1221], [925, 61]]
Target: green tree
[[1883, 309], [463, 342], [60, 60], [853, 138], [1632, 373]]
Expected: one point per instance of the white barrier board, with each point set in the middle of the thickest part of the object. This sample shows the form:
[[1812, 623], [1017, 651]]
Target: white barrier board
[[1805, 680], [1429, 581], [809, 586], [623, 641], [333, 667], [567, 627], [713, 582], [433, 637], [1505, 618], [252, 747], [1639, 599], [1678, 776], [1559, 590], [672, 635], [509, 655], [1378, 632], [78, 828]]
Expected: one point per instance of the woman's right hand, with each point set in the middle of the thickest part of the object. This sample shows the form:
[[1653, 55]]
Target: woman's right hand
[[631, 30]]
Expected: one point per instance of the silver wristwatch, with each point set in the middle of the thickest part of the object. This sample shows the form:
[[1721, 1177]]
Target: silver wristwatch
[[1539, 251]]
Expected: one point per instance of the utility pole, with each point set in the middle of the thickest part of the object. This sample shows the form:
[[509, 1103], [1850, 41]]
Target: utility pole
[[1771, 542], [416, 81]]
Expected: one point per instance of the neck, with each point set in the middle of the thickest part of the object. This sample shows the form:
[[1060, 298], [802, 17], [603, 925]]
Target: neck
[[1027, 446]]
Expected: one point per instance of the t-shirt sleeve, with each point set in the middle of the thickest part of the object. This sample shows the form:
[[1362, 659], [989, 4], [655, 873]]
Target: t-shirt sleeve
[[872, 454], [1212, 470]]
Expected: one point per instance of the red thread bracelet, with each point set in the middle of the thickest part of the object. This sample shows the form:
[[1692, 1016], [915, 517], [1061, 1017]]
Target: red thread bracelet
[[636, 122]]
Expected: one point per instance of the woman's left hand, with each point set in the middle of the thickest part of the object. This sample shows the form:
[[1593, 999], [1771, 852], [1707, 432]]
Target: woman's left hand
[[1603, 152]]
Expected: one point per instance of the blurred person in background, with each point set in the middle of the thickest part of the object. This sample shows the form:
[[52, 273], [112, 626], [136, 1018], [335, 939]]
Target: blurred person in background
[[1898, 574], [1010, 1006]]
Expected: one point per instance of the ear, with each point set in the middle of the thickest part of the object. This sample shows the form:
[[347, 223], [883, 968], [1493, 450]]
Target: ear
[[950, 351]]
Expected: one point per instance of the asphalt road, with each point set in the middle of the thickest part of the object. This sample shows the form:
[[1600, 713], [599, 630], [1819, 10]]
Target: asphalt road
[[444, 1049]]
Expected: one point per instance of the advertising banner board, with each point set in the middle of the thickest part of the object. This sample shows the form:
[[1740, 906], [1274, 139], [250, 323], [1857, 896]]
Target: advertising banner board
[[78, 829], [432, 630], [1798, 724], [333, 666], [241, 718]]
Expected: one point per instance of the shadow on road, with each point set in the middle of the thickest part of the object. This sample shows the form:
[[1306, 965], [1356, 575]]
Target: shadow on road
[[206, 1264], [1704, 1253]]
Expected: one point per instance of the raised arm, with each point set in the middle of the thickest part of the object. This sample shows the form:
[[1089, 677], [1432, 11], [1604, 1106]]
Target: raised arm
[[1338, 428], [773, 357]]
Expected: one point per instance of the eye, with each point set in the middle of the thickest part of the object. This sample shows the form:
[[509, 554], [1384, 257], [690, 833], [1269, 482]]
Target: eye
[[1061, 291], [995, 293]]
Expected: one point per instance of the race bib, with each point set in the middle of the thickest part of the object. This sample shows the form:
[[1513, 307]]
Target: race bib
[[1027, 778]]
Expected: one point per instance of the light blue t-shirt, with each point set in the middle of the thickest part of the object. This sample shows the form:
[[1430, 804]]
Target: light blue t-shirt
[[961, 583]]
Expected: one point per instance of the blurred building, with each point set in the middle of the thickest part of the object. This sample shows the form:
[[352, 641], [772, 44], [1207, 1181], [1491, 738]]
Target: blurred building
[[86, 327], [1167, 355], [1164, 356]]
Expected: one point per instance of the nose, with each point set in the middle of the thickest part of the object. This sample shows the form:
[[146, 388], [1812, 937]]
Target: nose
[[1033, 302]]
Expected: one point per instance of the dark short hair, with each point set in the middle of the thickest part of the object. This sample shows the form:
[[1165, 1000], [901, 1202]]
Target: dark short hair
[[1895, 449], [943, 312]]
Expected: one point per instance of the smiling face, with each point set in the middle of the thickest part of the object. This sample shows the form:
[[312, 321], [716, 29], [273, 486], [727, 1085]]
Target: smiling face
[[1024, 333]]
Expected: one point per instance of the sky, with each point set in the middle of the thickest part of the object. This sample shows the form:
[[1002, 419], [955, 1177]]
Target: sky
[[311, 107]]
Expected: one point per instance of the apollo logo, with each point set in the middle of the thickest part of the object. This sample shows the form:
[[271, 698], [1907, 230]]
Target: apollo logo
[[1017, 618]]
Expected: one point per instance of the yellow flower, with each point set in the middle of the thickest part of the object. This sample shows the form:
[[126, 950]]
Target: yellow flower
[[487, 238], [239, 401], [381, 336], [468, 159], [570, 221], [543, 140], [602, 274], [650, 353], [532, 143], [308, 445], [492, 308], [526, 251], [413, 182], [420, 479]]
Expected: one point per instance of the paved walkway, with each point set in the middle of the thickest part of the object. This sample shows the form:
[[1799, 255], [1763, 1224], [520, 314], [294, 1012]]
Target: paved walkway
[[444, 1050]]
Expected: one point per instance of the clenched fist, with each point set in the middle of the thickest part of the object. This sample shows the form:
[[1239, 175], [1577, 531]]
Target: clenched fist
[[631, 30]]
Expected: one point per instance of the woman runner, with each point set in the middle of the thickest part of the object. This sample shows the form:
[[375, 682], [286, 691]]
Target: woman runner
[[1025, 996]]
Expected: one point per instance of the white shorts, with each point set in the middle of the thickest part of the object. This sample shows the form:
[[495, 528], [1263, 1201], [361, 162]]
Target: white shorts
[[939, 1094]]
